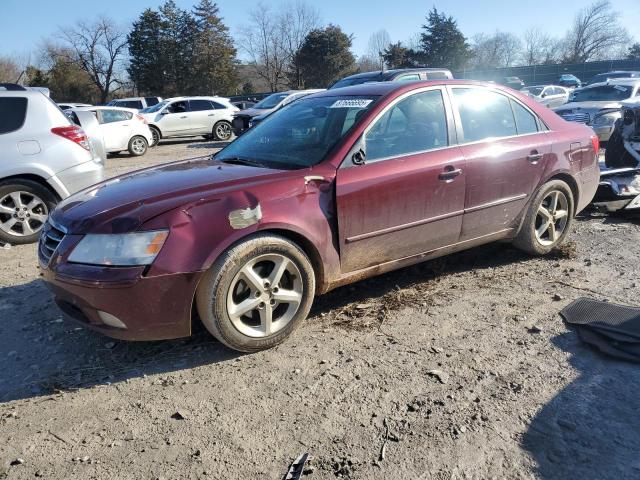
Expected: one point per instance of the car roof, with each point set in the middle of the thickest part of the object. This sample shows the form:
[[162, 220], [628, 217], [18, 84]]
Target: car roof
[[616, 81], [543, 85], [195, 97], [104, 107]]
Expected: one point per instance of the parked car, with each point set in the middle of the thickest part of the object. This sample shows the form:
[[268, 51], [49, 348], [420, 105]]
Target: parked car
[[242, 121], [396, 75], [339, 186], [618, 74], [209, 117], [623, 148], [512, 82], [122, 129], [569, 81], [548, 95], [137, 103], [67, 106], [599, 105], [43, 159]]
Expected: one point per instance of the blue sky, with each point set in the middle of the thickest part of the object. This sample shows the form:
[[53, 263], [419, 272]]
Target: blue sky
[[25, 23]]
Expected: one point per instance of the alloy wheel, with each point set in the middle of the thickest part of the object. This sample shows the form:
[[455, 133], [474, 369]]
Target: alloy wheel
[[265, 295], [138, 146], [223, 131], [552, 218], [22, 213]]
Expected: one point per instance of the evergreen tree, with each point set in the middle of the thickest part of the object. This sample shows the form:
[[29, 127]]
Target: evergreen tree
[[634, 52], [325, 57], [214, 55], [146, 67], [442, 43], [397, 55]]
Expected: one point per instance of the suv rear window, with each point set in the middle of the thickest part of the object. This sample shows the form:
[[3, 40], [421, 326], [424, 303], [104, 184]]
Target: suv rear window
[[14, 112], [128, 104]]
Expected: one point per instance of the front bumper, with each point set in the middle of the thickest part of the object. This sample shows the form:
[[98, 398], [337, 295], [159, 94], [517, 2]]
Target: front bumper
[[121, 303]]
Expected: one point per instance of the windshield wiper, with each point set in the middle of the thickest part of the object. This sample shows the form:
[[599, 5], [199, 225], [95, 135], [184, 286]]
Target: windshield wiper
[[242, 161]]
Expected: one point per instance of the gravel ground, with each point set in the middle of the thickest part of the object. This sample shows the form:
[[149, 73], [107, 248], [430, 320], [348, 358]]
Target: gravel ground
[[458, 368]]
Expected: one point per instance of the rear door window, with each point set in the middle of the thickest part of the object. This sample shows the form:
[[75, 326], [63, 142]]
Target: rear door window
[[14, 112], [484, 114], [151, 101], [111, 116], [409, 78], [200, 105]]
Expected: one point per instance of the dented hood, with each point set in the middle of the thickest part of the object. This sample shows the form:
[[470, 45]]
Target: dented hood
[[124, 203]]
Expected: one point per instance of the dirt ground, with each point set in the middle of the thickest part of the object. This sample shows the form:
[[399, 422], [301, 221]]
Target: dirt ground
[[458, 368]]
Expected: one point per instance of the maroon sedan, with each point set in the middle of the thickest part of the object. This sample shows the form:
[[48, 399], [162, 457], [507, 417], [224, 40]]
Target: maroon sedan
[[336, 187]]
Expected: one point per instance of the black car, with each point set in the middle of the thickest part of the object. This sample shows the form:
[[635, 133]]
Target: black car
[[397, 75], [569, 81]]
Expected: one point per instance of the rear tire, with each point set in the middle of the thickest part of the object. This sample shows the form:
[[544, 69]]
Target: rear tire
[[138, 146], [222, 131], [257, 293], [552, 207], [615, 155], [24, 208]]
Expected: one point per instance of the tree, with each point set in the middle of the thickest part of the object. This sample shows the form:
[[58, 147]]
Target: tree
[[97, 48], [595, 32], [397, 55], [296, 21], [495, 51], [9, 70], [539, 48], [146, 65], [66, 79], [634, 52], [442, 44], [378, 44], [214, 56], [325, 57]]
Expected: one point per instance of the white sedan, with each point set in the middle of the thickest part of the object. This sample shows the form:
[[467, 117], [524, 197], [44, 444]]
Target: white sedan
[[548, 95], [122, 129]]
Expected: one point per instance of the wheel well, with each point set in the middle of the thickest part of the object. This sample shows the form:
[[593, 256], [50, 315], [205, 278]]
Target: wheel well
[[33, 178], [569, 180], [157, 129]]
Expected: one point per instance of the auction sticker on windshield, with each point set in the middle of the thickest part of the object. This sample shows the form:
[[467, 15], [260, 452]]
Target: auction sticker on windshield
[[355, 103]]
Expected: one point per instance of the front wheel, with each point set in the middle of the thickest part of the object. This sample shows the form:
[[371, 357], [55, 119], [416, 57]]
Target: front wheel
[[222, 131], [24, 208], [256, 293], [138, 146], [155, 133], [548, 219]]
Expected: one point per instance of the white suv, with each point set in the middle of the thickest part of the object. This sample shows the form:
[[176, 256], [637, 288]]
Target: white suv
[[209, 117], [44, 158]]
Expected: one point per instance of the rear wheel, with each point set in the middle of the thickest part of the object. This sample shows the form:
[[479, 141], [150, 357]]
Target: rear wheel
[[138, 146], [24, 208], [548, 220], [222, 131], [257, 293]]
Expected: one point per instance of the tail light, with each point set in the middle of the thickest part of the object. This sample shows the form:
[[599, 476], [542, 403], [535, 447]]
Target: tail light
[[73, 133], [596, 143], [141, 118]]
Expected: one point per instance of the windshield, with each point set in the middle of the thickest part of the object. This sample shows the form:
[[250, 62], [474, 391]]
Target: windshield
[[533, 90], [603, 93], [155, 108], [271, 101], [301, 134]]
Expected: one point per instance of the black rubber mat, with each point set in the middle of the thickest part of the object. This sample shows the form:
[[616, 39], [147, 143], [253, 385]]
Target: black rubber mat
[[617, 319]]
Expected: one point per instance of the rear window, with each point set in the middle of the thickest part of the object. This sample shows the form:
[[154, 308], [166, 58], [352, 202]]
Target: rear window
[[128, 104], [14, 112], [151, 101]]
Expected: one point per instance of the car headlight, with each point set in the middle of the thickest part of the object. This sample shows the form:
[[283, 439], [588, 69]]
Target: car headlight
[[606, 119], [119, 250]]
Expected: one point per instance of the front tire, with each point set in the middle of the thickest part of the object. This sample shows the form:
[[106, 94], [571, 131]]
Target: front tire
[[222, 131], [138, 146], [24, 208], [257, 293], [155, 133], [548, 220]]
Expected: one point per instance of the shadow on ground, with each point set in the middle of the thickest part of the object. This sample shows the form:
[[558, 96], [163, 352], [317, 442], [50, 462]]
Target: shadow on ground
[[42, 352], [591, 429]]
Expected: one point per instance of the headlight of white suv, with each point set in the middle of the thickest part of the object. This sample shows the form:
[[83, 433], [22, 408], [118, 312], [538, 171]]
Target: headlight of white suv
[[119, 250], [606, 119]]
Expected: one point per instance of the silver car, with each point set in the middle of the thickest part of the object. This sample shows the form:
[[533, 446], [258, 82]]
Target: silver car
[[44, 158], [548, 95], [599, 105]]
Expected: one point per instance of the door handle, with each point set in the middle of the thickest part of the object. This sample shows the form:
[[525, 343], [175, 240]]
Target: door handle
[[211, 115], [450, 173], [534, 157], [314, 178], [184, 117]]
